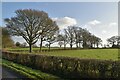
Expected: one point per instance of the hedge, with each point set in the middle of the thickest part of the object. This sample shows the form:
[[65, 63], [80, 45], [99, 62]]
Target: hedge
[[67, 67]]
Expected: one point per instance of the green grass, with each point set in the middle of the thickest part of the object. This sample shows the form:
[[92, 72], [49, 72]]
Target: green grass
[[17, 48], [104, 54], [29, 72]]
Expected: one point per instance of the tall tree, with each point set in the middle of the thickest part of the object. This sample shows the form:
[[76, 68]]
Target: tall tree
[[62, 39], [97, 41], [51, 38], [79, 36], [112, 40], [70, 35], [49, 27], [76, 34], [118, 40], [60, 43], [27, 23], [92, 40], [85, 37]]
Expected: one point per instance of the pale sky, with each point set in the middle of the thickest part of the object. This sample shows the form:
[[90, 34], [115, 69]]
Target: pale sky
[[59, 0], [100, 18]]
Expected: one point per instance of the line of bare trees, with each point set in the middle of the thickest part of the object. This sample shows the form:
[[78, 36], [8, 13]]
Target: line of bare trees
[[82, 38], [34, 25], [114, 41]]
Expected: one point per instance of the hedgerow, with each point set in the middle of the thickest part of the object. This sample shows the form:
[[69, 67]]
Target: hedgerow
[[68, 67]]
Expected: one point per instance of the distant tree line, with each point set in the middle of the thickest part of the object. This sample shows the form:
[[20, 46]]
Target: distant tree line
[[114, 41], [82, 38]]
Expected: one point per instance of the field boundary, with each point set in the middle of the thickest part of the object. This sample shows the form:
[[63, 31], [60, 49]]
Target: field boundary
[[67, 67]]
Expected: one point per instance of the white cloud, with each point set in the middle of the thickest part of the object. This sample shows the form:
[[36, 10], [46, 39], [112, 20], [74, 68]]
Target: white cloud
[[104, 31], [94, 22], [65, 21], [113, 24]]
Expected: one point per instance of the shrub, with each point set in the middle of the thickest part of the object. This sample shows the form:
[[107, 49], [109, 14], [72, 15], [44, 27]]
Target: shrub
[[68, 67]]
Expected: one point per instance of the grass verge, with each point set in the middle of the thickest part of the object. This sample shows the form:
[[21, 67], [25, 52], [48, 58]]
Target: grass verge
[[29, 72]]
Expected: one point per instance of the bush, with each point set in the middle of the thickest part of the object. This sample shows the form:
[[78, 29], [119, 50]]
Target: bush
[[67, 67]]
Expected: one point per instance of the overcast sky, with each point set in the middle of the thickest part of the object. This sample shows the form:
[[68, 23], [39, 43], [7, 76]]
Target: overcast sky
[[100, 18]]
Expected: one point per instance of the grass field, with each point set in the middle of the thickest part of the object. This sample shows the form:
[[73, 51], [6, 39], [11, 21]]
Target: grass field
[[17, 48], [104, 54]]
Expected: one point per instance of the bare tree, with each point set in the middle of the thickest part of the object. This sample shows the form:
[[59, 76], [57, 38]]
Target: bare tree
[[70, 35], [51, 38], [112, 40], [118, 40], [62, 39], [60, 43], [27, 23], [76, 35], [85, 37], [79, 37], [98, 41], [51, 35], [48, 27]]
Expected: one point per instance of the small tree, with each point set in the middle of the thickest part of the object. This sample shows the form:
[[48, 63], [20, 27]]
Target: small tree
[[62, 39], [60, 43], [70, 35], [48, 28], [17, 44], [24, 44], [47, 45], [50, 40], [112, 40], [52, 37]]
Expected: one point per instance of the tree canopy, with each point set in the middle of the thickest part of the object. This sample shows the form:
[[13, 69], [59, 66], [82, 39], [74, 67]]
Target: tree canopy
[[30, 24]]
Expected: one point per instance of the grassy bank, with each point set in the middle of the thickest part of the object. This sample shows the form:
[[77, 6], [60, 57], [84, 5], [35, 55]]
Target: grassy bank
[[28, 72]]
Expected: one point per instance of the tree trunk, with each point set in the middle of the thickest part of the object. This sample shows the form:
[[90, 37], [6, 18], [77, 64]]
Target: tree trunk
[[91, 45], [94, 45], [113, 44], [60, 46], [76, 45], [97, 45], [41, 44], [30, 48], [70, 45], [64, 45], [76, 42], [79, 44], [49, 46]]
